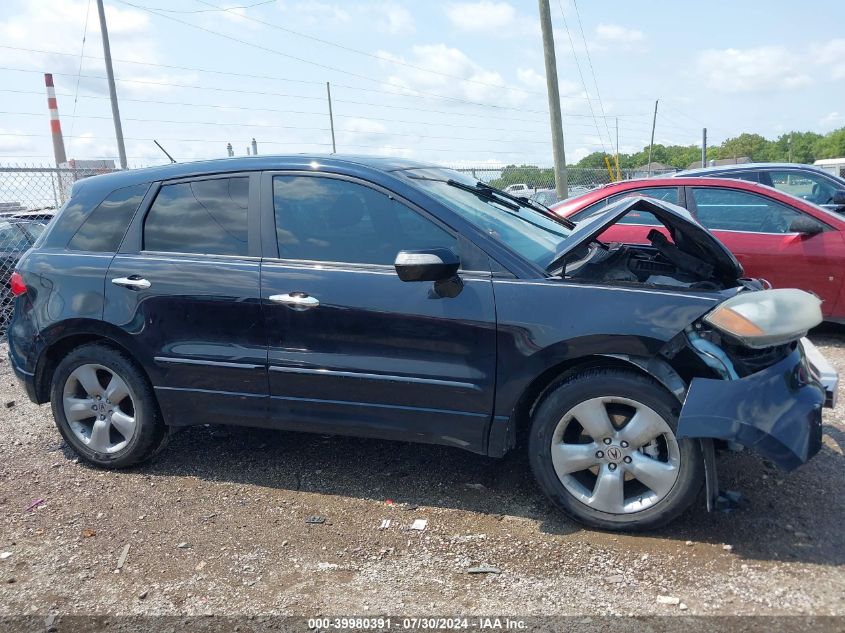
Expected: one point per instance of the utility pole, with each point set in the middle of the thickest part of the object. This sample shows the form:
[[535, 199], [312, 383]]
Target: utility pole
[[789, 145], [115, 112], [704, 147], [651, 145], [561, 184], [331, 116]]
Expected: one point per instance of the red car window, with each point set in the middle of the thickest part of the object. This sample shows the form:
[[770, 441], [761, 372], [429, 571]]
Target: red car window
[[734, 210]]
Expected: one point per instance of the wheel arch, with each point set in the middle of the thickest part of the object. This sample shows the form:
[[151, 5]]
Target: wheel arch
[[507, 435], [62, 340]]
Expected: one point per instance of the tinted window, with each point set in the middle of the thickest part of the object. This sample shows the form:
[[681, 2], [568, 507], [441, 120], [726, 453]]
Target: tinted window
[[745, 174], [731, 210], [12, 238], [331, 220], [667, 194], [204, 216], [814, 188], [106, 224]]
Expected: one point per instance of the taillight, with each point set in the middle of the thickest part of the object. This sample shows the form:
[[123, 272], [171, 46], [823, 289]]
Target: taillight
[[16, 284]]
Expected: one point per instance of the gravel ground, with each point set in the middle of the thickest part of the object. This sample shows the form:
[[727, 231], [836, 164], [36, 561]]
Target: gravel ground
[[217, 525]]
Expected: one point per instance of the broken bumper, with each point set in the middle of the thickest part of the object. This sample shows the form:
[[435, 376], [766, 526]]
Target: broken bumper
[[776, 412], [824, 371]]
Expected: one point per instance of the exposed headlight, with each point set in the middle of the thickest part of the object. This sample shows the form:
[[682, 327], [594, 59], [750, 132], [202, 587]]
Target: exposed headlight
[[767, 317]]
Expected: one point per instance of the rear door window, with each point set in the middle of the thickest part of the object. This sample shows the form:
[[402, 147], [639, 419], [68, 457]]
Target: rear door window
[[202, 216], [667, 194], [733, 210]]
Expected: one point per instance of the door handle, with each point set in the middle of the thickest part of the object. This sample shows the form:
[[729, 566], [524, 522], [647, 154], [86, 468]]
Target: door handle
[[298, 301], [134, 282]]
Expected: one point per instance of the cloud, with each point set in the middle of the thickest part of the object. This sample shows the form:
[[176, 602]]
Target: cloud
[[615, 34], [831, 55], [752, 70], [447, 62], [130, 32], [492, 18], [15, 141], [481, 16], [531, 79], [315, 12], [832, 120], [394, 19]]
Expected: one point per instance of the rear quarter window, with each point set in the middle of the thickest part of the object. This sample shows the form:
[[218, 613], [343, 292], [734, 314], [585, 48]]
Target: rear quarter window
[[104, 228]]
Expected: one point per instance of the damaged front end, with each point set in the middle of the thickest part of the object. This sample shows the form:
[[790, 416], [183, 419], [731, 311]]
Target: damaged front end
[[769, 384]]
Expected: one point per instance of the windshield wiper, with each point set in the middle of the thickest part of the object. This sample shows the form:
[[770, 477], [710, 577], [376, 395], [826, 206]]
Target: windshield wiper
[[485, 193], [531, 204]]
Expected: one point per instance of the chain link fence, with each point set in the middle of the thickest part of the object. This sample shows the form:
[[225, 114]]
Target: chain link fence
[[532, 179], [30, 195]]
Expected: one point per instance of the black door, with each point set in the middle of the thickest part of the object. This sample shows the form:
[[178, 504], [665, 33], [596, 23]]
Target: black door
[[352, 348], [185, 289]]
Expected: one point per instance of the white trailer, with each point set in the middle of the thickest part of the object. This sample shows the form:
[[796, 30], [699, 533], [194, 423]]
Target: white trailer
[[835, 166]]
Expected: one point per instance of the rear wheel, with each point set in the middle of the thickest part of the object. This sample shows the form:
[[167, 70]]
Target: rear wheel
[[104, 407], [603, 448]]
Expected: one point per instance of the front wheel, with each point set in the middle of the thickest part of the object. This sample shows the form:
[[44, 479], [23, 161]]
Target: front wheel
[[603, 448]]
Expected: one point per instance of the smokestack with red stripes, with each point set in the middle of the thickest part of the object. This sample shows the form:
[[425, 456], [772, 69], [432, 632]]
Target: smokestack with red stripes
[[55, 124]]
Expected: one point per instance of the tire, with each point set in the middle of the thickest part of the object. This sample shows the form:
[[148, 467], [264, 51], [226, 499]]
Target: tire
[[581, 473], [105, 433]]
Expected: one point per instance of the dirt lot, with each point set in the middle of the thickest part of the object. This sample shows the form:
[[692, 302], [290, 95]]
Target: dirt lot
[[217, 524]]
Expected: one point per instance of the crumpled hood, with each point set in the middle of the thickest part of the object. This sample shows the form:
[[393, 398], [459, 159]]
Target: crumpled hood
[[690, 236]]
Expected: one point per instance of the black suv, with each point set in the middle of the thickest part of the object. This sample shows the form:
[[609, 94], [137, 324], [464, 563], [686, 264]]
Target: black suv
[[399, 300]]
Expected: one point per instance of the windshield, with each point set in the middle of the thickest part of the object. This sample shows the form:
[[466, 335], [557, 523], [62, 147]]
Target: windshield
[[526, 230]]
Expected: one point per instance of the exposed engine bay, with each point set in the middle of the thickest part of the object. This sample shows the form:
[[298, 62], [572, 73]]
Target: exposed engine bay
[[663, 263]]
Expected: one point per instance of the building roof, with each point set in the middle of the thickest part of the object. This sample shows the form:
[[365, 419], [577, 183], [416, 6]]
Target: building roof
[[739, 160], [655, 166]]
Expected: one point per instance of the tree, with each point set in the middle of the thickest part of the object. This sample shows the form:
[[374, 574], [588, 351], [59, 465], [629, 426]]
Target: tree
[[831, 145], [753, 146]]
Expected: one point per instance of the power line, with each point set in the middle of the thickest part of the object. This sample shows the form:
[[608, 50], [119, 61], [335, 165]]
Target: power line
[[581, 74], [291, 80], [592, 70], [227, 9], [288, 127], [286, 143], [304, 60], [381, 58], [79, 72]]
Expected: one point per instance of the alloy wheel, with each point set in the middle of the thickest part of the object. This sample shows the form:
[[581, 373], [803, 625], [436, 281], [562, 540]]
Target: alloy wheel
[[100, 408], [615, 455]]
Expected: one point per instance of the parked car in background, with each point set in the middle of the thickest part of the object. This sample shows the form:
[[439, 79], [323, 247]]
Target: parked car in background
[[520, 189], [811, 183], [785, 240], [399, 300], [18, 232], [546, 197]]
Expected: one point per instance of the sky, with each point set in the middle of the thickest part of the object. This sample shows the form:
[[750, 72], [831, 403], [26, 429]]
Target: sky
[[453, 82]]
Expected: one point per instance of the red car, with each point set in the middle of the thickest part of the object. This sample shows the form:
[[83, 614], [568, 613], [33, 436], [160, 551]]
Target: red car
[[785, 240]]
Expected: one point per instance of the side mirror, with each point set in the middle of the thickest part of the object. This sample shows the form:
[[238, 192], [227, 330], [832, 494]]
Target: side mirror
[[433, 264], [805, 226], [839, 197]]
